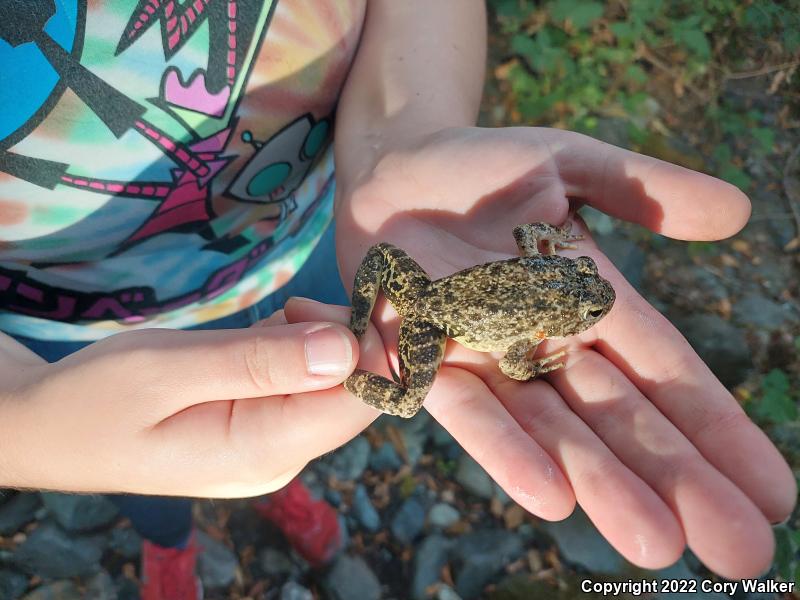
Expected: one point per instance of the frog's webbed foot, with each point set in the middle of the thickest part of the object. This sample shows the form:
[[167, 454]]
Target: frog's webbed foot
[[530, 235], [420, 350], [516, 364]]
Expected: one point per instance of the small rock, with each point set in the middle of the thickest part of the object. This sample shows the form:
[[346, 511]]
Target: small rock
[[474, 479], [57, 590], [52, 553], [500, 494], [721, 345], [294, 591], [440, 436], [12, 584], [18, 510], [314, 479], [344, 531], [581, 543], [430, 557], [349, 462], [126, 542], [626, 256], [445, 592], [385, 458], [333, 497], [527, 532], [76, 512], [443, 515], [415, 444], [127, 589], [599, 223], [350, 577], [274, 563], [216, 563], [783, 230], [409, 520], [758, 311], [364, 511], [480, 555], [100, 587]]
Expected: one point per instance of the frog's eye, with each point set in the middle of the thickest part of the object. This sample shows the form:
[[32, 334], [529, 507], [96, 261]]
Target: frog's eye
[[590, 314]]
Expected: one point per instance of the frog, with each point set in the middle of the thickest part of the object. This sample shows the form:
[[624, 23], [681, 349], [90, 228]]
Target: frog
[[506, 306]]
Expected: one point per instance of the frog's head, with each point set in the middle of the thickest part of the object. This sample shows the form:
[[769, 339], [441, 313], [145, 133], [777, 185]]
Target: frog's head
[[594, 295]]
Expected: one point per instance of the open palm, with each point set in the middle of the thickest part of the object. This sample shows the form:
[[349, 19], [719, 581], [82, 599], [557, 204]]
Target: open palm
[[636, 427]]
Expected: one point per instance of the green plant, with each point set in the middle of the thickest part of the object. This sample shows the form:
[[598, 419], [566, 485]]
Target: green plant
[[776, 403], [570, 62], [787, 548]]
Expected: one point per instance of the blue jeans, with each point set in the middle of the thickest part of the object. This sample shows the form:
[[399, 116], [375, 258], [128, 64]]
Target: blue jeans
[[167, 521]]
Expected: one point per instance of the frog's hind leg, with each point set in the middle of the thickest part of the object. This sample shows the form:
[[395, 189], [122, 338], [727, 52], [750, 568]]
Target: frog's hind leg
[[420, 349], [553, 238], [516, 364], [386, 268]]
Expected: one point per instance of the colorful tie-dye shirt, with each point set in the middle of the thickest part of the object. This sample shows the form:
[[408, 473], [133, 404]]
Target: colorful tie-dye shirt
[[163, 163]]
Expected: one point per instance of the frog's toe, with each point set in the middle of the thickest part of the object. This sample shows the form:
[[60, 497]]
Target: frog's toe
[[548, 363], [551, 238], [524, 370]]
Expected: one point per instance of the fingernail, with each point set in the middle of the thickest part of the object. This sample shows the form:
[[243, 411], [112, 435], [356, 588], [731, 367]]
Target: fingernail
[[328, 352]]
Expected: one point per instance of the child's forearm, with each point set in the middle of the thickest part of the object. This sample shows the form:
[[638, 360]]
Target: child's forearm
[[419, 68]]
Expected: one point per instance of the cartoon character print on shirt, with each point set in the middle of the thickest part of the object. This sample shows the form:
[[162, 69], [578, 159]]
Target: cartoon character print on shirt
[[199, 103], [207, 49]]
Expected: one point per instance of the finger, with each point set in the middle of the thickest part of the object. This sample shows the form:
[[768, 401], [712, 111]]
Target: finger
[[722, 525], [471, 413], [656, 358], [626, 510], [664, 197], [176, 369]]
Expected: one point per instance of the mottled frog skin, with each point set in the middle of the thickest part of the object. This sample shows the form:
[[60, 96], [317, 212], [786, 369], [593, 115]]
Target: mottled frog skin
[[509, 305]]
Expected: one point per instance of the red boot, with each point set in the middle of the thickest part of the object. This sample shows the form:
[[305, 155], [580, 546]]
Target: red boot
[[169, 573], [311, 526]]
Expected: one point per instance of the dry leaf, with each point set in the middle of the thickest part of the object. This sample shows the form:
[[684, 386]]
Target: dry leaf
[[534, 561], [496, 507], [513, 516], [742, 246]]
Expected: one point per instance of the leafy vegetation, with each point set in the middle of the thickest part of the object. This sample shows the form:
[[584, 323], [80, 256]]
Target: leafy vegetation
[[569, 62], [776, 404]]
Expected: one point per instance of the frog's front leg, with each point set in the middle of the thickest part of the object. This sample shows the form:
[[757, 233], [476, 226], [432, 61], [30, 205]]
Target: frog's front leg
[[516, 364], [392, 270], [554, 238], [420, 353]]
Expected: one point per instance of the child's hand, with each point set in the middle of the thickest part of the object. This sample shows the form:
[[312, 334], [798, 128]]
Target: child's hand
[[194, 413], [636, 427]]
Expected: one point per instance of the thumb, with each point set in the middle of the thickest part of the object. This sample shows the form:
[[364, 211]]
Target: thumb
[[178, 369]]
